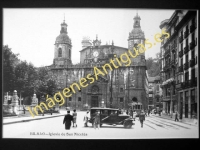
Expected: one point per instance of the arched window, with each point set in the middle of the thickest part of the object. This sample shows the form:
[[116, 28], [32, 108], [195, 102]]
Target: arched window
[[59, 52], [95, 89]]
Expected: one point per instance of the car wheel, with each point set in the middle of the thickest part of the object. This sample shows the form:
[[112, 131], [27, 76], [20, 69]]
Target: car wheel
[[127, 125]]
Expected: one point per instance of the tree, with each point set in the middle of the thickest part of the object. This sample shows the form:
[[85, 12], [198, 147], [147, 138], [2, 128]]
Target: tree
[[25, 78], [10, 61], [153, 66], [46, 84]]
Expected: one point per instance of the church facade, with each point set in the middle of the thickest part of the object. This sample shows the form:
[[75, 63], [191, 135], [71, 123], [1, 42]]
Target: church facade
[[120, 87]]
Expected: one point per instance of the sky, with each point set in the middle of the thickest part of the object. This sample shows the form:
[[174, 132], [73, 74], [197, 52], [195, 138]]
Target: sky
[[32, 32]]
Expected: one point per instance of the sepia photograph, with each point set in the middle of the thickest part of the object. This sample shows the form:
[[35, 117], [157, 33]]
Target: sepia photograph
[[100, 73]]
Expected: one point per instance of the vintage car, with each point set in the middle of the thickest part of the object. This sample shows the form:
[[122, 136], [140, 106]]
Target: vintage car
[[111, 116]]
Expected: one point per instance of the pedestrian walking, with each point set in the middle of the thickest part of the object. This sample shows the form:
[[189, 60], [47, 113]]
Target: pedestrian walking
[[134, 115], [142, 118], [67, 120], [24, 109], [145, 112], [127, 111], [97, 120], [131, 113], [86, 118], [176, 116], [149, 112], [74, 117]]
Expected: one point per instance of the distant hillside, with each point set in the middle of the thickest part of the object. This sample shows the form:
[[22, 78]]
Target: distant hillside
[[153, 66]]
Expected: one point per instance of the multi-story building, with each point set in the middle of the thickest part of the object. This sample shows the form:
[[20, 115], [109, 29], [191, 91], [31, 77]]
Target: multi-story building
[[118, 88], [155, 93], [179, 64]]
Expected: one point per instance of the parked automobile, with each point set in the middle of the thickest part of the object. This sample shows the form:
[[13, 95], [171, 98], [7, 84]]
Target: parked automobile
[[111, 116]]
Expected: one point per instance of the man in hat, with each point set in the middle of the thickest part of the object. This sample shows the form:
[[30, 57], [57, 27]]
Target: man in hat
[[142, 118], [67, 120]]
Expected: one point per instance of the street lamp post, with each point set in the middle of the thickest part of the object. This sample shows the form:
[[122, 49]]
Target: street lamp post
[[111, 89]]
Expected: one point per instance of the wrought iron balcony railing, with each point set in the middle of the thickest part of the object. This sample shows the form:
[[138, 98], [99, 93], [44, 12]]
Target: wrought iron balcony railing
[[180, 69], [193, 82], [172, 63], [180, 38], [192, 28], [166, 67], [192, 45], [186, 65], [180, 53], [186, 49], [192, 62], [167, 52], [186, 33]]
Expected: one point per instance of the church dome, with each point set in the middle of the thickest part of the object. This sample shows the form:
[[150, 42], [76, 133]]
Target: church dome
[[63, 38]]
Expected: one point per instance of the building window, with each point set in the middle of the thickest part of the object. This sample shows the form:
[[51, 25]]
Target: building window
[[181, 46], [193, 38], [193, 74], [181, 97], [193, 55], [181, 61], [186, 58], [186, 43], [121, 99], [70, 98], [174, 90], [186, 76], [79, 99], [121, 89], [150, 95], [59, 52], [186, 97]]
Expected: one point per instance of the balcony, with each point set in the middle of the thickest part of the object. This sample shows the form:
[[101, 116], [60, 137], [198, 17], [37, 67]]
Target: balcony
[[186, 33], [166, 67], [180, 54], [180, 69], [173, 48], [192, 28], [186, 65], [172, 63], [192, 45], [180, 38], [187, 84], [186, 49], [193, 82], [192, 62], [179, 86], [167, 52]]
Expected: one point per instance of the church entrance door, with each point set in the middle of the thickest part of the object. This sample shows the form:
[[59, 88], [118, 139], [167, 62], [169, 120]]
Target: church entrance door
[[94, 101]]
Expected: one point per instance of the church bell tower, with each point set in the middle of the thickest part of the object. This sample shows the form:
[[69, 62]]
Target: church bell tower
[[62, 50], [136, 36]]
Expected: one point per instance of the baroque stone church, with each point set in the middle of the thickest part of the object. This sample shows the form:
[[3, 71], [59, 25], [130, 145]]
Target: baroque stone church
[[120, 88]]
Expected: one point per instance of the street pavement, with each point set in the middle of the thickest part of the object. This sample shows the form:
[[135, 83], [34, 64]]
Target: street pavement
[[52, 127]]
